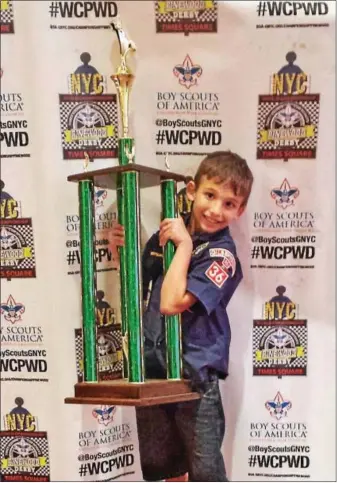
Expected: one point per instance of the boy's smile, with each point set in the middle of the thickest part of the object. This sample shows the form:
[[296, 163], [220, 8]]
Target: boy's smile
[[215, 205]]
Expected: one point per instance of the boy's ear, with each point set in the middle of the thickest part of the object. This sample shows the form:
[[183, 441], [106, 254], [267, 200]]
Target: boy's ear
[[190, 190]]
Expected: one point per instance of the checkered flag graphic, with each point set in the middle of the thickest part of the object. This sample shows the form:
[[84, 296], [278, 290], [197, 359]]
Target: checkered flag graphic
[[39, 443], [113, 334], [209, 15], [117, 340], [24, 229], [205, 15], [79, 354], [104, 105], [27, 233], [266, 106], [6, 12], [299, 333], [312, 108]]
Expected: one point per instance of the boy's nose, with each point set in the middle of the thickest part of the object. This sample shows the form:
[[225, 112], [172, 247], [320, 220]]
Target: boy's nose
[[216, 211]]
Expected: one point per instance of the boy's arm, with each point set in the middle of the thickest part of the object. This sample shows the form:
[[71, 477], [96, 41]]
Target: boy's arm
[[214, 274], [174, 298]]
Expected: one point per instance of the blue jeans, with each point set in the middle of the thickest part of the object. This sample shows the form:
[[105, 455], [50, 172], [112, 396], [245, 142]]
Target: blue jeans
[[184, 437]]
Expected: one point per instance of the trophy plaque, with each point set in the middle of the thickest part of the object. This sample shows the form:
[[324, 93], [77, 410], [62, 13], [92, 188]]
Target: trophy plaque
[[127, 179]]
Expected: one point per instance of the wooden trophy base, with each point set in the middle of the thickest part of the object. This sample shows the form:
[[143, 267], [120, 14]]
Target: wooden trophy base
[[124, 393]]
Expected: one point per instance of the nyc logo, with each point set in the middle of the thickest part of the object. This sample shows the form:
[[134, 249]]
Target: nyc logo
[[9, 207], [278, 407], [285, 195], [104, 414], [187, 72], [86, 79], [19, 418]]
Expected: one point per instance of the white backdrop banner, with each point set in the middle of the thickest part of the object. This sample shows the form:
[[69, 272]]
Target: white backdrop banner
[[256, 77]]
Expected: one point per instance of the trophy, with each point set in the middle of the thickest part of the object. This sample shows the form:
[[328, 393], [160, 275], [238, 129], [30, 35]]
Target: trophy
[[127, 178]]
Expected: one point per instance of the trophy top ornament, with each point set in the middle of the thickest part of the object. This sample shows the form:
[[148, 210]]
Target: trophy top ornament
[[86, 162], [125, 45]]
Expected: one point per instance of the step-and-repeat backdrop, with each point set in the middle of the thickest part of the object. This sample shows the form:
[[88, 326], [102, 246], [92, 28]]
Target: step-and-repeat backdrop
[[256, 77]]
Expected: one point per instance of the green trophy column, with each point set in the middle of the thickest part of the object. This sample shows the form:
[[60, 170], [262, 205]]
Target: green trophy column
[[172, 322], [130, 263], [122, 275], [87, 244]]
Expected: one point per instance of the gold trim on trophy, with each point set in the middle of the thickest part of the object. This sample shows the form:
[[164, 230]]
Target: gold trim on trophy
[[123, 78], [130, 154]]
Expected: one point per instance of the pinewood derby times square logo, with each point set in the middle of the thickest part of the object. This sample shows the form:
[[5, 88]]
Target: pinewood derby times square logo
[[24, 448], [16, 239], [186, 16], [280, 339], [89, 118], [288, 116]]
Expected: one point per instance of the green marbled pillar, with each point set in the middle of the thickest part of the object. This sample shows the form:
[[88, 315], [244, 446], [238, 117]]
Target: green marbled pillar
[[172, 322], [130, 263], [122, 272], [88, 278]]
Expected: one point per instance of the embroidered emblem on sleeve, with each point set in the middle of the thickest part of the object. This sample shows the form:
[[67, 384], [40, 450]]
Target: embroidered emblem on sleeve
[[228, 260], [199, 249], [216, 274]]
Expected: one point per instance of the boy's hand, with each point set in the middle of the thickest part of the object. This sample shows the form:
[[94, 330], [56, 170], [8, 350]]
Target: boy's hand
[[116, 239], [173, 229]]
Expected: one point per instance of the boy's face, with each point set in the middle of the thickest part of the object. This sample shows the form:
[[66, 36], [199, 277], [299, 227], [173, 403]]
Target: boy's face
[[215, 205]]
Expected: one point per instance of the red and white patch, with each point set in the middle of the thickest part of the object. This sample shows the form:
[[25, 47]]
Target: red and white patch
[[228, 260], [217, 274]]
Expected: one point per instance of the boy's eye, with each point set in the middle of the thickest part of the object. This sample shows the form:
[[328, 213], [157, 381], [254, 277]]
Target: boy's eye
[[209, 195], [229, 204]]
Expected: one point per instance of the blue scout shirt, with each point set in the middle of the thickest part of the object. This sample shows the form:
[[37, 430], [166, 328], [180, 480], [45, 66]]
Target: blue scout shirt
[[213, 276]]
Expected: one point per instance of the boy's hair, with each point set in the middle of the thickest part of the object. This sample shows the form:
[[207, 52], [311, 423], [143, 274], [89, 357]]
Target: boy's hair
[[228, 167]]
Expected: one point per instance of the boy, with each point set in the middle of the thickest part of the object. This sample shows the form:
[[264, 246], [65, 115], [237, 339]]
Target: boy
[[186, 437]]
